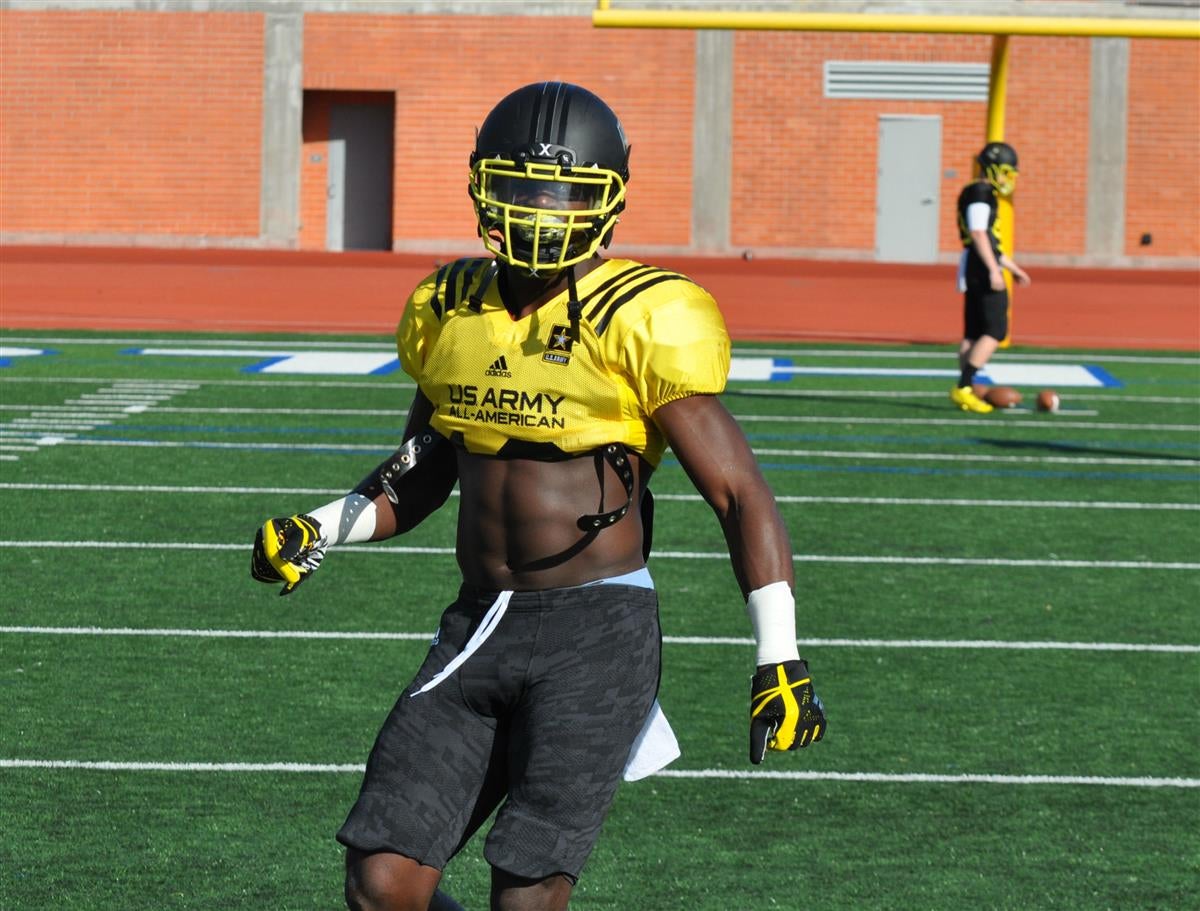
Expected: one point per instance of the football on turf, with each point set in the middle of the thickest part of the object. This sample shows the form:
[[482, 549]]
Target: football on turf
[[1048, 400], [1002, 397]]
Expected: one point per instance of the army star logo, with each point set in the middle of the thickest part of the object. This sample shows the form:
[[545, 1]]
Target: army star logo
[[558, 347]]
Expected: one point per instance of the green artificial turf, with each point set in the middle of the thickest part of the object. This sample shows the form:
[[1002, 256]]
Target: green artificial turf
[[1011, 595]]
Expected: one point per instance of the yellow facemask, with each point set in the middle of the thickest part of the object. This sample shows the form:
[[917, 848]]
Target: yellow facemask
[[1003, 177], [544, 217]]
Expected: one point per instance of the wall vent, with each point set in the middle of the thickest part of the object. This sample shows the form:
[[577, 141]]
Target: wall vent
[[906, 81]]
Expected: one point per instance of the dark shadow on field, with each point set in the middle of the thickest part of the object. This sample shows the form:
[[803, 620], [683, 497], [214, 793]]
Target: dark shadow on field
[[1076, 449]]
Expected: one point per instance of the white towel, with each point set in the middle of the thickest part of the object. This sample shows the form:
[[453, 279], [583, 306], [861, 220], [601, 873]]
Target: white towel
[[655, 747]]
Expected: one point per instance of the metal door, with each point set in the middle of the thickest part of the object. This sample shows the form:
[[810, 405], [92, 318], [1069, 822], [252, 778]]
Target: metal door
[[908, 188], [358, 207]]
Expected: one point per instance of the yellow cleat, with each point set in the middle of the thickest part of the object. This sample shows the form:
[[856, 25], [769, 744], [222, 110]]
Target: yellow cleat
[[966, 399]]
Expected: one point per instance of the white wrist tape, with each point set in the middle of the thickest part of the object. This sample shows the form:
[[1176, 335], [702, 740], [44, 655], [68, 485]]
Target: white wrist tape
[[349, 520], [772, 611]]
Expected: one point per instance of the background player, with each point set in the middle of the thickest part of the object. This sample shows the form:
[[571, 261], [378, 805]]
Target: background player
[[985, 294]]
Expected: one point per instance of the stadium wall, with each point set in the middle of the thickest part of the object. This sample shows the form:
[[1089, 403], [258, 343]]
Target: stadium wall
[[194, 123]]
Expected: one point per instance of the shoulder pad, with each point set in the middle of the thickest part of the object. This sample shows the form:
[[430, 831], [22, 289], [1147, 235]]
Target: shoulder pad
[[603, 302]]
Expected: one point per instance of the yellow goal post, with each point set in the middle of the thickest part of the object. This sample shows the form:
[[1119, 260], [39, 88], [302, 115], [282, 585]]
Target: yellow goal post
[[605, 15]]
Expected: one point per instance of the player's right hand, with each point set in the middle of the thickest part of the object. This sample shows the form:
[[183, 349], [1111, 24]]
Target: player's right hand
[[287, 550]]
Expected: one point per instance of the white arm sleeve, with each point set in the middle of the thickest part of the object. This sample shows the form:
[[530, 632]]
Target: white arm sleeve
[[772, 611], [977, 216], [349, 520]]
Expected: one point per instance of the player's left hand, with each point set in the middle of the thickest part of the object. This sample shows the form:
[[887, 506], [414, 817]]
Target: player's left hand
[[785, 713], [287, 550]]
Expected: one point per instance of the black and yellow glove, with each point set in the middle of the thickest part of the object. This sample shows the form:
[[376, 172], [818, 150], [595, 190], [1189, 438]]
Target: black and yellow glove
[[287, 550], [785, 713]]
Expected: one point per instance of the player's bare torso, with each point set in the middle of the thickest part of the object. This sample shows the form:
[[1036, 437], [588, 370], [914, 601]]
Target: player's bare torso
[[518, 522], [546, 391], [518, 518]]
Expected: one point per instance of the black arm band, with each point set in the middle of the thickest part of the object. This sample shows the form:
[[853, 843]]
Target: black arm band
[[416, 450]]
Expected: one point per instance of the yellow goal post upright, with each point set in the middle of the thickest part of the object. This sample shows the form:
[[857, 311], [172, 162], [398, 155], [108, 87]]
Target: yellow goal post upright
[[605, 15]]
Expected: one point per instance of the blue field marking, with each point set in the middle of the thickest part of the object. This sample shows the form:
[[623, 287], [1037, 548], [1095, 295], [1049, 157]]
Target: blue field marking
[[1106, 379], [1048, 375], [263, 365], [9, 355]]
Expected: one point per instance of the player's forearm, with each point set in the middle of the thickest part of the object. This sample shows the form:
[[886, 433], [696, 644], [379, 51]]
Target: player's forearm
[[983, 247], [761, 552], [395, 497], [759, 547], [349, 520]]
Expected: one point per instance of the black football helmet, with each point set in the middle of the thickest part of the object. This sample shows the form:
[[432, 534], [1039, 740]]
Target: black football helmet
[[548, 176], [998, 166]]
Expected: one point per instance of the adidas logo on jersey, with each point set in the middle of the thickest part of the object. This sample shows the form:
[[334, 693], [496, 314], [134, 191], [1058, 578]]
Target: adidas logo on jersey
[[499, 368]]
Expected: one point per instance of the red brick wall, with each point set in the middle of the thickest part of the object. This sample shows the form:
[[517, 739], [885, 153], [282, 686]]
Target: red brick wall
[[149, 124], [134, 123], [805, 165], [1163, 178], [447, 73]]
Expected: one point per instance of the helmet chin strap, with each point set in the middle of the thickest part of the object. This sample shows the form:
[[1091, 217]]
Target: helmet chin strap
[[574, 306]]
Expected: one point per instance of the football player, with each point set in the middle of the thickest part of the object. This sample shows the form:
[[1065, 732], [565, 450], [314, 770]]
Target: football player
[[551, 380], [985, 293]]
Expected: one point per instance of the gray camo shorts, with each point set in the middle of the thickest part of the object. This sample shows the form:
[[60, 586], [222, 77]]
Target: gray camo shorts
[[538, 721]]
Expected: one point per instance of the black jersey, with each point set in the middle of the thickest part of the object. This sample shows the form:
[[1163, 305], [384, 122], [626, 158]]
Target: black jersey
[[979, 191]]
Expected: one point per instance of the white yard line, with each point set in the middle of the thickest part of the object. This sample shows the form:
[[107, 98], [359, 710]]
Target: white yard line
[[994, 644], [741, 774], [673, 497], [781, 391], [900, 456], [870, 559], [946, 422], [1069, 422], [866, 455]]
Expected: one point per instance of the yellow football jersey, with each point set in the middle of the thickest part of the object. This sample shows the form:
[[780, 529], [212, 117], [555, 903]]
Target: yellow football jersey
[[523, 388]]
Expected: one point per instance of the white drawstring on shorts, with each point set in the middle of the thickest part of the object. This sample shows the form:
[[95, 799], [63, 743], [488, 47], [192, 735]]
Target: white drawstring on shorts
[[486, 627]]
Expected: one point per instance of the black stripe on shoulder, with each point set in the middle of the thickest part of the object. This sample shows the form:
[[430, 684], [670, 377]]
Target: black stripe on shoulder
[[453, 282], [632, 290], [453, 292], [604, 292], [466, 270], [435, 299]]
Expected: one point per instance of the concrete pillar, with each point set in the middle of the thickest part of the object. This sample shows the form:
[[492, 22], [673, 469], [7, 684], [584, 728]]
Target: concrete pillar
[[283, 100], [712, 142], [1107, 134]]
